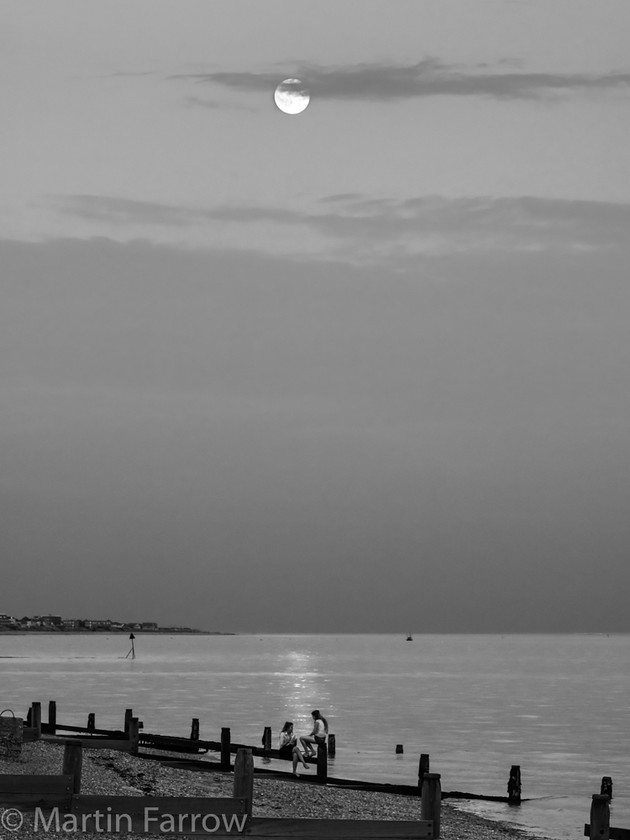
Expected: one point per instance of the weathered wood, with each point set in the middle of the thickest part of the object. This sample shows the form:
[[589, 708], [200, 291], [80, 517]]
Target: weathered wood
[[173, 743], [423, 769], [332, 746], [244, 778], [86, 803], [600, 817], [314, 829], [431, 802], [121, 745], [128, 716], [91, 723], [72, 764], [36, 718], [178, 815], [613, 833], [607, 786], [194, 729], [134, 735], [112, 733], [52, 716], [514, 785], [322, 762], [225, 748], [21, 791], [266, 738]]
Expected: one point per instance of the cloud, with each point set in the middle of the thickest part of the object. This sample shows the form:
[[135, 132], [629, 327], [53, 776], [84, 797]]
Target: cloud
[[428, 77], [355, 228]]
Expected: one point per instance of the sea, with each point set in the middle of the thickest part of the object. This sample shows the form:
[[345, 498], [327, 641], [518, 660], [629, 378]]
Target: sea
[[556, 705]]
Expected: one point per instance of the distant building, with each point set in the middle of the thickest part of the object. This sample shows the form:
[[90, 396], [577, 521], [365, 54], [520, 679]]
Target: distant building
[[7, 620], [149, 625], [55, 620], [70, 623], [97, 623]]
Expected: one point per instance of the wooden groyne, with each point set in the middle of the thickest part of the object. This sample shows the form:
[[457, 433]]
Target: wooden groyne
[[132, 738], [185, 816]]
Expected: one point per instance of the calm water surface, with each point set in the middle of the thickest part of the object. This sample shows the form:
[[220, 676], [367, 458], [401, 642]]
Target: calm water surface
[[557, 705]]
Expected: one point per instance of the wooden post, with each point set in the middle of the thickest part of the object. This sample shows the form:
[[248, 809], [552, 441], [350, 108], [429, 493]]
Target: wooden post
[[72, 763], [431, 803], [322, 762], [423, 769], [331, 746], [52, 716], [514, 785], [600, 817], [36, 719], [128, 716], [134, 735], [194, 730], [606, 789], [399, 749], [225, 748], [244, 777], [91, 724], [266, 738]]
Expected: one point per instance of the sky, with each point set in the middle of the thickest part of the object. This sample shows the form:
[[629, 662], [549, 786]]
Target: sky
[[361, 369]]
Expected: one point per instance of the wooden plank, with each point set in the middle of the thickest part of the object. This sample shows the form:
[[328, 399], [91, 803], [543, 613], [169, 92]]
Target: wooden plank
[[35, 791], [39, 784], [111, 733], [89, 803], [93, 743], [179, 815], [314, 829], [29, 733], [615, 833]]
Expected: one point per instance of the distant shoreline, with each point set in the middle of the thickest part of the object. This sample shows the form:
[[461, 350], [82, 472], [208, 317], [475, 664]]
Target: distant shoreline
[[24, 631]]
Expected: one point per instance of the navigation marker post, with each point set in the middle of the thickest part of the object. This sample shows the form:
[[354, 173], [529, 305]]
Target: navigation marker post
[[132, 652]]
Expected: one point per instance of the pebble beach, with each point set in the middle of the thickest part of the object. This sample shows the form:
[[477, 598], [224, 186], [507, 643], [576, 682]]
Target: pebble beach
[[112, 772]]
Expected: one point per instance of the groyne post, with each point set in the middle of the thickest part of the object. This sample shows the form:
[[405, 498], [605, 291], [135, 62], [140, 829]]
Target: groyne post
[[600, 817], [72, 764], [332, 746], [36, 719], [134, 735], [514, 785], [128, 716], [431, 802], [91, 723], [244, 777], [607, 786], [423, 769], [225, 748], [52, 716], [194, 730], [266, 738], [322, 762], [399, 749]]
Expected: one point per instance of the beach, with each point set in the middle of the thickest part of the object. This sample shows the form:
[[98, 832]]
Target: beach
[[111, 772]]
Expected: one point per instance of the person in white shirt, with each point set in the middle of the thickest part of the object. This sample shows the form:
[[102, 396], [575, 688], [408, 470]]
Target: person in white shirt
[[317, 736]]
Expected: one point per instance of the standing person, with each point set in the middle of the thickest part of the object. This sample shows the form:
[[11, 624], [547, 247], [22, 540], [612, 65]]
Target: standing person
[[288, 747], [317, 736]]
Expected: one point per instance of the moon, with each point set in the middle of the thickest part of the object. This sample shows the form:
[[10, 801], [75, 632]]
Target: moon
[[291, 96]]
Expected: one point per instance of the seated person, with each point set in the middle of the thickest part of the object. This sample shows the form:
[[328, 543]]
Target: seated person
[[289, 748], [317, 736]]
